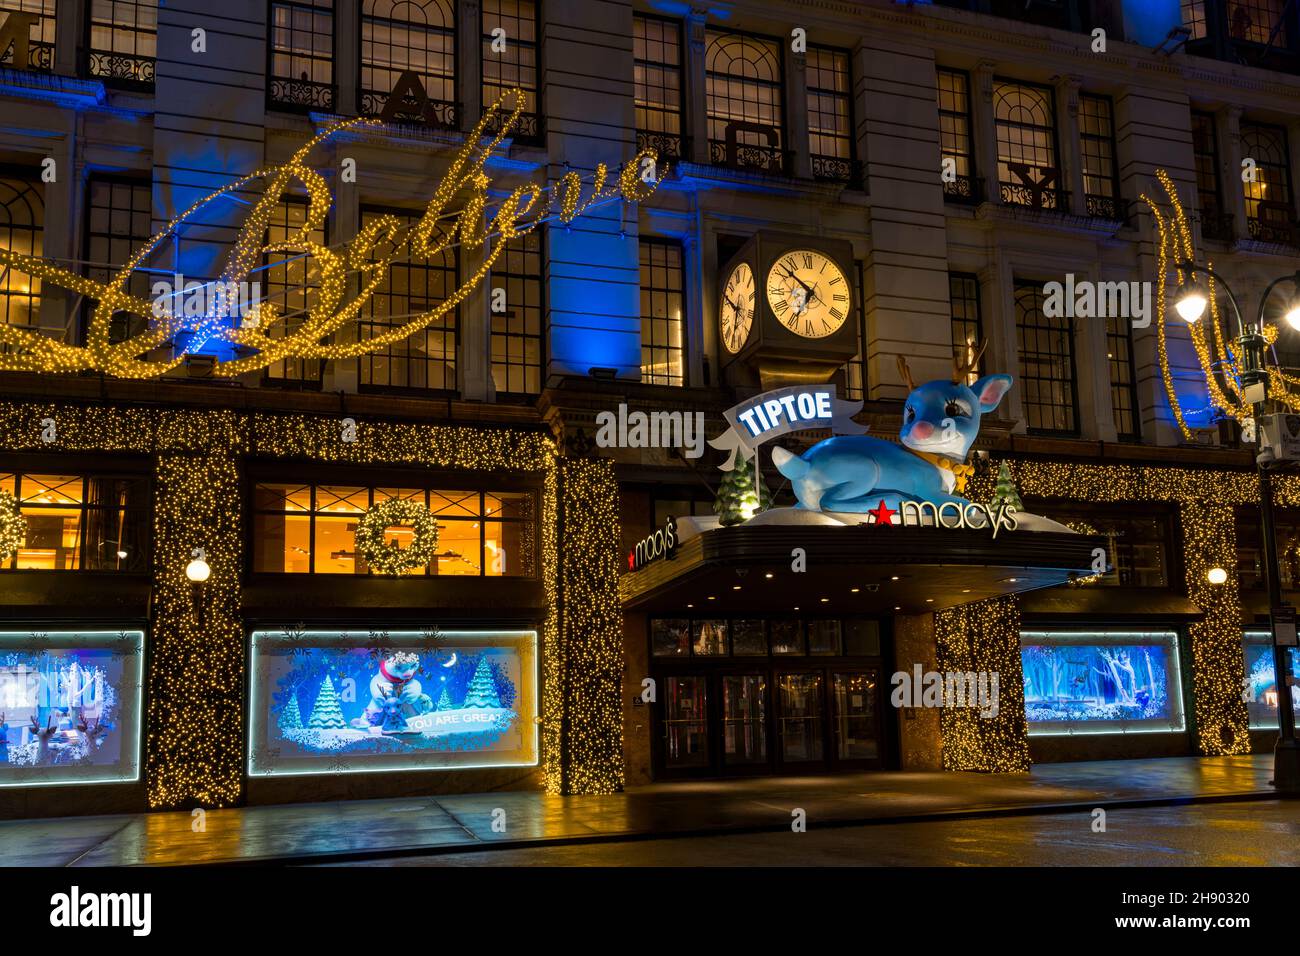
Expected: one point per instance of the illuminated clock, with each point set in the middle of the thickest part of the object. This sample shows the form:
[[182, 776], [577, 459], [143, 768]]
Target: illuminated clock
[[736, 311], [808, 293]]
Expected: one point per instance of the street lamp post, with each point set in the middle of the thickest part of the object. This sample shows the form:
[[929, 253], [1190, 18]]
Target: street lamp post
[[1191, 305]]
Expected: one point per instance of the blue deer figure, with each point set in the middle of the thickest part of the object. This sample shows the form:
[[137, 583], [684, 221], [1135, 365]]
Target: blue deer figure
[[854, 473]]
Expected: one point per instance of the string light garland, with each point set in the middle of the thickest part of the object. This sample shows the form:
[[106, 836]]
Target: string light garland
[[13, 526], [984, 638], [385, 556], [194, 741], [1213, 346], [262, 338]]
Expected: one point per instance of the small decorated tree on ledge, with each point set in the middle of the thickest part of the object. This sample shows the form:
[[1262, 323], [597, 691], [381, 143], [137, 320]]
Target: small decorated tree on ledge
[[1005, 493], [737, 499]]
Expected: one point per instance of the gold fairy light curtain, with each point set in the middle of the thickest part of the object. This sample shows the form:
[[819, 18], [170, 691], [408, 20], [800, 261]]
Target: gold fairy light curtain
[[262, 337], [1215, 348]]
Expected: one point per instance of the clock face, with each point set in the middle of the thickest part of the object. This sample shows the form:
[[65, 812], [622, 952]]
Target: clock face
[[808, 293], [737, 309]]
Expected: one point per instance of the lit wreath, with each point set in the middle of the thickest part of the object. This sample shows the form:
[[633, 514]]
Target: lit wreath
[[388, 558], [13, 526]]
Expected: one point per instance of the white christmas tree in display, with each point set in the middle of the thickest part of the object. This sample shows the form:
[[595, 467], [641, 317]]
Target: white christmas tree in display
[[482, 689], [444, 702], [326, 714]]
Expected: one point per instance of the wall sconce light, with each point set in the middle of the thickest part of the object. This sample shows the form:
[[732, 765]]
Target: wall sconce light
[[197, 570]]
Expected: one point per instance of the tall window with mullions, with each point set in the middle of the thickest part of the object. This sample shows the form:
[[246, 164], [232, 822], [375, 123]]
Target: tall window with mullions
[[1047, 370], [1097, 150], [409, 36], [123, 41], [517, 329], [1215, 224], [830, 115], [746, 118], [1123, 378], [955, 141], [301, 50], [657, 66], [40, 35], [855, 370], [22, 229], [289, 282], [425, 359], [509, 55], [964, 309], [119, 223], [662, 293], [1255, 20]]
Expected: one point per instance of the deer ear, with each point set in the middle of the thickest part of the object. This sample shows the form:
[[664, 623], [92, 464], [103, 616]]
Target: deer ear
[[990, 390]]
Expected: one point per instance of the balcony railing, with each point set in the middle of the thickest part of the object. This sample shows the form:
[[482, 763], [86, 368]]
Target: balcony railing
[[301, 95], [748, 156], [1034, 197], [40, 56], [666, 145], [435, 113], [837, 169], [1216, 225], [1115, 208], [1279, 231], [527, 130], [121, 69], [968, 190], [1032, 187]]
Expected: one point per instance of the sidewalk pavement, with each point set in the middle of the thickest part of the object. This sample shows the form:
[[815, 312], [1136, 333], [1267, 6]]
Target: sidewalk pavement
[[357, 830]]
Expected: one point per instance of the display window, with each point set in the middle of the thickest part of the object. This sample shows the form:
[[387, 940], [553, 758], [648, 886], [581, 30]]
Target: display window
[[1260, 688], [1102, 682], [332, 701], [70, 704]]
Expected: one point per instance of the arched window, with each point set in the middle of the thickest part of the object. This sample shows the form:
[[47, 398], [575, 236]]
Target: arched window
[[1269, 210], [22, 229], [1028, 171], [745, 113], [409, 36], [123, 40]]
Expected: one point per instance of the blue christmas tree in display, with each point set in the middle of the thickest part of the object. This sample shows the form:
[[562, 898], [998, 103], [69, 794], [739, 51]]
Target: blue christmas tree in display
[[291, 719], [482, 689], [326, 714], [444, 702]]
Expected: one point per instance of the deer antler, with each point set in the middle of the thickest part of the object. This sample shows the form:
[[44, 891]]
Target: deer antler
[[969, 361], [905, 373]]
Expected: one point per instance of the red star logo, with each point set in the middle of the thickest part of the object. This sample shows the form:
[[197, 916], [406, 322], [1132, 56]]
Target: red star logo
[[631, 560], [884, 515]]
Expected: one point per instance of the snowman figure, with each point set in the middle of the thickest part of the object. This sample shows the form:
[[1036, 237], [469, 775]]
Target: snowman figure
[[395, 694]]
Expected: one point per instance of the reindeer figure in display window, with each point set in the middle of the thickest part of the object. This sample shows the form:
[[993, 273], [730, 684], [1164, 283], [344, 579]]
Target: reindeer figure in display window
[[941, 419]]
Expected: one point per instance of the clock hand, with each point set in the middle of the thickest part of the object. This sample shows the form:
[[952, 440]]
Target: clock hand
[[809, 290]]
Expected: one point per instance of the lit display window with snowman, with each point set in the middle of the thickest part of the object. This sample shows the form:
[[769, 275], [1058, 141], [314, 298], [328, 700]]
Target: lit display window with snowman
[[327, 701]]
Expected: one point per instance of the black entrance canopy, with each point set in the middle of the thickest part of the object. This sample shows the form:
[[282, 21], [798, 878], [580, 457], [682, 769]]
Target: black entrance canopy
[[863, 569]]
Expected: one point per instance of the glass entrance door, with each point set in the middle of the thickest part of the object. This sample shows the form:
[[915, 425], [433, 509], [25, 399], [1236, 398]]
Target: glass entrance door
[[800, 724], [857, 730], [744, 720], [686, 722]]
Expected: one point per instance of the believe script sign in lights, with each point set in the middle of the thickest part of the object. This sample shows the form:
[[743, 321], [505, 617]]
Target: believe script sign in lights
[[263, 338]]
